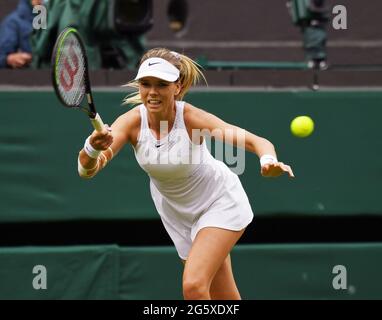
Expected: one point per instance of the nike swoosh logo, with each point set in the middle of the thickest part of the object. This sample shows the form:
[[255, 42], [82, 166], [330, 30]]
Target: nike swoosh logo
[[152, 63]]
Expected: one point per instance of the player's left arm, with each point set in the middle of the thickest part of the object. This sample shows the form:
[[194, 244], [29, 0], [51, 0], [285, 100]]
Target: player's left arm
[[209, 124]]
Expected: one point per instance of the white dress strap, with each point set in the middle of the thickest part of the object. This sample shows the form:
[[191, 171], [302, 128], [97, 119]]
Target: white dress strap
[[180, 114], [144, 123]]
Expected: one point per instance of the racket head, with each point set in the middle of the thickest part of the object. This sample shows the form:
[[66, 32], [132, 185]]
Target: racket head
[[70, 76]]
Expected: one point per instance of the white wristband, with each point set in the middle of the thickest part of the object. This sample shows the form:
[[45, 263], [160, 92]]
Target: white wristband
[[90, 151], [267, 159]]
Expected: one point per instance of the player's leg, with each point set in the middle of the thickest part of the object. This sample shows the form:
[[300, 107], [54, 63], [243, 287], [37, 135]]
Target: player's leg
[[223, 286], [208, 252]]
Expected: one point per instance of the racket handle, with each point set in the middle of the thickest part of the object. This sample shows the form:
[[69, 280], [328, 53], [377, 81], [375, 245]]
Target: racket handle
[[97, 123]]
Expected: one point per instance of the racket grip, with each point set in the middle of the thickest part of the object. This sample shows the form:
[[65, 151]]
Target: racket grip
[[97, 123]]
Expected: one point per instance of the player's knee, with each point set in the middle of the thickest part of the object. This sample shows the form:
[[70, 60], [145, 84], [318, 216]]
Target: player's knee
[[194, 289]]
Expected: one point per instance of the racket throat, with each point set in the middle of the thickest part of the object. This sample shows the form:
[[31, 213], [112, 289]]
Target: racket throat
[[89, 97], [92, 114]]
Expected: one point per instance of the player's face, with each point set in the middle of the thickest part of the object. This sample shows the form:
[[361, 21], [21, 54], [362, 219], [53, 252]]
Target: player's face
[[157, 94]]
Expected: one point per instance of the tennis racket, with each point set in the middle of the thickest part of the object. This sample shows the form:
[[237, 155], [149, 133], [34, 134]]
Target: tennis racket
[[70, 75]]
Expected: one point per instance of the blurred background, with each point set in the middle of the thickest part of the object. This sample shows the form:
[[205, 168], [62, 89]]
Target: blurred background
[[266, 62]]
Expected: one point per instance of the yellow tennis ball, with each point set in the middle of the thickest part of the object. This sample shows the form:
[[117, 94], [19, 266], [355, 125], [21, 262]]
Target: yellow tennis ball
[[302, 126]]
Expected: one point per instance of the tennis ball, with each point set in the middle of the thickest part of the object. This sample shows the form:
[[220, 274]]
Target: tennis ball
[[302, 126]]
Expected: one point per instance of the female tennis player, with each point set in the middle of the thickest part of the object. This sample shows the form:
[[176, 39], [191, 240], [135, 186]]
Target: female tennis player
[[201, 202]]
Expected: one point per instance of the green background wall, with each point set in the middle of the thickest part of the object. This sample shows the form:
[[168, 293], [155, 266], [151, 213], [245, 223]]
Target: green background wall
[[301, 271], [338, 169], [338, 173]]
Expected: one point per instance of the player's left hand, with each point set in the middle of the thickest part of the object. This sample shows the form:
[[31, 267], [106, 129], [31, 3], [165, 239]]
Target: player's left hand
[[276, 169]]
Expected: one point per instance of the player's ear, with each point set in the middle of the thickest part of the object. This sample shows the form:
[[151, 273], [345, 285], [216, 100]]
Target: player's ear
[[178, 88]]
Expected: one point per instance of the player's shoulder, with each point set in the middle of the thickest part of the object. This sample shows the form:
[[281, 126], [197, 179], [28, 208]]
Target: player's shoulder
[[192, 113], [131, 117], [128, 124], [191, 110]]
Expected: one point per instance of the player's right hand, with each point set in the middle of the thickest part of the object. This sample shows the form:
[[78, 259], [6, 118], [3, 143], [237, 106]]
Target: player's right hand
[[102, 140]]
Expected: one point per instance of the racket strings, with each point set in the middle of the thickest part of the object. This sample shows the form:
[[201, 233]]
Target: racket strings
[[70, 71]]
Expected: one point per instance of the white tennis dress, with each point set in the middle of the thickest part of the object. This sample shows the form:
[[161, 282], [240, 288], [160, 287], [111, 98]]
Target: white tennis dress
[[190, 188]]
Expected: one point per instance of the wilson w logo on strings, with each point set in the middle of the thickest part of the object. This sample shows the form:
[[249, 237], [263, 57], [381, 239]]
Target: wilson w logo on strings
[[70, 69]]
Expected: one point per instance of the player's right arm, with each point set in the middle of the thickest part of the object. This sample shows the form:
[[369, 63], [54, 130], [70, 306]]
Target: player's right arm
[[109, 141]]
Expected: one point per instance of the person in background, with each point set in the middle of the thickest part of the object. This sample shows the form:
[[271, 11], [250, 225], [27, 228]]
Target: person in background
[[15, 30]]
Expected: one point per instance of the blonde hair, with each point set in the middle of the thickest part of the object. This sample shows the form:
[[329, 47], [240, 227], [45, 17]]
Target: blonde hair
[[190, 73]]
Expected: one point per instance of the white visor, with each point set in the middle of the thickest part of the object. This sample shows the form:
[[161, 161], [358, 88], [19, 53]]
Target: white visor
[[158, 68]]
